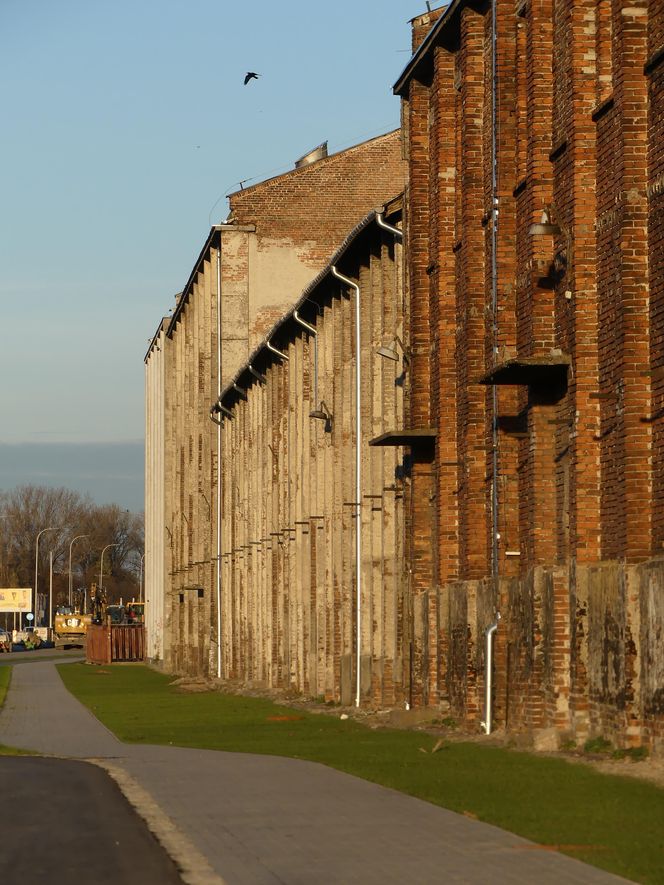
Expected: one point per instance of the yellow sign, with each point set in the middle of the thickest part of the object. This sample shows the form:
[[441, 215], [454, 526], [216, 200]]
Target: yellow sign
[[16, 599]]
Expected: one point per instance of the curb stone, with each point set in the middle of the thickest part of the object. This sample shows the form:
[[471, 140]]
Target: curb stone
[[194, 869]]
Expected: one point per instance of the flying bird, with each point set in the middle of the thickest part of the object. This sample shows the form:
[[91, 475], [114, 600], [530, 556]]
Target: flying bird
[[250, 75]]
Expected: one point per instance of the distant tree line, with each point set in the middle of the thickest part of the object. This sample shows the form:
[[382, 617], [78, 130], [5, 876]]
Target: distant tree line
[[27, 509]]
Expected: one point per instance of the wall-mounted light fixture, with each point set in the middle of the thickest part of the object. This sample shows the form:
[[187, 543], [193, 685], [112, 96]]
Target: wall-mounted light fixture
[[218, 409], [391, 353], [322, 413], [388, 353], [279, 353], [545, 227], [562, 260]]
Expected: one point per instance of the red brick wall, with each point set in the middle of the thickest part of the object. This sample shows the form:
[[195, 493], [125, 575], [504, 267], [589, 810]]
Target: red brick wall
[[580, 133], [470, 300], [422, 24], [441, 294], [419, 490], [655, 193]]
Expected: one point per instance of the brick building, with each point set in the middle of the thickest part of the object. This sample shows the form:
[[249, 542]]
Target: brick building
[[279, 235], [518, 451], [533, 220]]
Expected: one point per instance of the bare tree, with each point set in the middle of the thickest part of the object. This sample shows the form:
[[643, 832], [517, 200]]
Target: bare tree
[[111, 524], [26, 510]]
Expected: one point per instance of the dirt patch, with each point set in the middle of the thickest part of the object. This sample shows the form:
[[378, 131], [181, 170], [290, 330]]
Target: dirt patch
[[650, 769], [188, 685], [284, 718]]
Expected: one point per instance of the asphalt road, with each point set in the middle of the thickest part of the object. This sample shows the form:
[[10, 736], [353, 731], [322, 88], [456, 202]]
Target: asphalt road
[[63, 822], [42, 654]]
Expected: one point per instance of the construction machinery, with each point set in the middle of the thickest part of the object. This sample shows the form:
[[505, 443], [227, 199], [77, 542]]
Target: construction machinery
[[98, 603], [124, 613], [71, 623]]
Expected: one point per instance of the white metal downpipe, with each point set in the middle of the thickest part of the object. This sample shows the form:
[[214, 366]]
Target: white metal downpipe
[[269, 346], [393, 230], [312, 330], [358, 474], [219, 486], [488, 675]]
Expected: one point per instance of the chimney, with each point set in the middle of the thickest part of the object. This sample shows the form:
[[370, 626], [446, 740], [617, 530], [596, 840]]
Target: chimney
[[318, 153], [422, 24]]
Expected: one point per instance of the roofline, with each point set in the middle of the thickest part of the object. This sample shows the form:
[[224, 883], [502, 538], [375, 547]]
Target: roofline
[[423, 49], [160, 328], [185, 292], [300, 169], [304, 296], [215, 231]]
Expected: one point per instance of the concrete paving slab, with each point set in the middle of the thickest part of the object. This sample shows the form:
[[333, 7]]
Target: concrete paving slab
[[265, 819], [39, 714]]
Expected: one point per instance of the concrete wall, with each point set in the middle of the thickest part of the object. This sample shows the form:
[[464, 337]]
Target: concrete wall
[[288, 578], [280, 234], [154, 495], [189, 475]]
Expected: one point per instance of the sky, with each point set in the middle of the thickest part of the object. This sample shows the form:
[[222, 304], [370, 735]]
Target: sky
[[125, 123]]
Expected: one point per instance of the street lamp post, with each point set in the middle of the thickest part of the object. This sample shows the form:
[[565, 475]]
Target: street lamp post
[[101, 564], [70, 577], [39, 534]]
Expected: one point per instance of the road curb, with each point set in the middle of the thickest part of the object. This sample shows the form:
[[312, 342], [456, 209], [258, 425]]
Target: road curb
[[192, 865]]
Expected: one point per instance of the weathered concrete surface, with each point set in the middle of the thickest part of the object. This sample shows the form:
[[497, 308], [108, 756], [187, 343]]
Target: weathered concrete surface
[[279, 236], [259, 819]]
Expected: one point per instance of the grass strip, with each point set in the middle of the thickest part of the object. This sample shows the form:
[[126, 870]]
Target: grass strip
[[5, 677], [616, 823]]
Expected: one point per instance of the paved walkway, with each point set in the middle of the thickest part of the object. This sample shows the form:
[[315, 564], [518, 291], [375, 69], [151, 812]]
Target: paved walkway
[[263, 820]]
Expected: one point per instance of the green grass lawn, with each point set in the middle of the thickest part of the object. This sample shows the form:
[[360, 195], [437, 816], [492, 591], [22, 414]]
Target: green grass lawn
[[5, 676], [612, 822]]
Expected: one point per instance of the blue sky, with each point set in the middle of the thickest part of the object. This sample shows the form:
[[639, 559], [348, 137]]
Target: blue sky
[[124, 122]]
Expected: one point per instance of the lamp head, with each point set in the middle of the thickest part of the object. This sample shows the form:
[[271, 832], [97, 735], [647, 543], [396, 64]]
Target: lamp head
[[322, 413], [388, 353], [545, 227]]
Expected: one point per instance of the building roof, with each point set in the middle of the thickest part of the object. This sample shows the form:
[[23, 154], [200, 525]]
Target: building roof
[[420, 57], [303, 170], [215, 232], [263, 351], [234, 225], [163, 323]]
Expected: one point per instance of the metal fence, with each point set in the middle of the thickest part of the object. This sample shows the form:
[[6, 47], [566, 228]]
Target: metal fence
[[106, 644]]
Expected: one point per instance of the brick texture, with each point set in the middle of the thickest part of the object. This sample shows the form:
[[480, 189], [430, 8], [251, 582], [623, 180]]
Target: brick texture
[[578, 486]]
